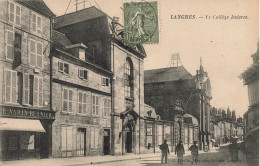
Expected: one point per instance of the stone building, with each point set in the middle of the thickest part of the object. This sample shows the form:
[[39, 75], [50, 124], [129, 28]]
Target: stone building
[[173, 91], [103, 38], [81, 99], [26, 113], [251, 117]]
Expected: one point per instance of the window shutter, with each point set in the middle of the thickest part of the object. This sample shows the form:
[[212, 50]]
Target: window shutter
[[80, 102], [14, 87], [97, 105], [81, 73], [39, 24], [35, 91], [11, 12], [26, 89], [8, 89], [93, 104], [70, 100], [60, 66], [18, 15], [40, 92], [10, 45], [107, 81], [32, 52], [65, 100], [84, 103], [33, 22], [104, 109], [39, 55]]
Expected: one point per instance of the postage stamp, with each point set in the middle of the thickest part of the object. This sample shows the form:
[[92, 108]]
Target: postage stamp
[[141, 22]]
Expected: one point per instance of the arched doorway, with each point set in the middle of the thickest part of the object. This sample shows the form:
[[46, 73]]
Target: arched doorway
[[129, 138]]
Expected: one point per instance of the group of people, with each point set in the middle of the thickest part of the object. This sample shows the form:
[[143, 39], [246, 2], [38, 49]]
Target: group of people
[[179, 150]]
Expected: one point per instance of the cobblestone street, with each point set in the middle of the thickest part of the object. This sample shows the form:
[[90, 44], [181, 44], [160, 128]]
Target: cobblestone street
[[220, 157]]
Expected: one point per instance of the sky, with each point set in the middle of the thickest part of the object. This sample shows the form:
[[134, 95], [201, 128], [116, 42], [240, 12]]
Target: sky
[[225, 45]]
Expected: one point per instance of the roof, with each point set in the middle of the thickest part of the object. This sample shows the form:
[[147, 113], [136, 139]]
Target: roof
[[60, 40], [81, 15], [38, 5], [190, 119], [166, 74]]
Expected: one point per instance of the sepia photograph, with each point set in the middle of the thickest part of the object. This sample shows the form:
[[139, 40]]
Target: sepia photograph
[[129, 82]]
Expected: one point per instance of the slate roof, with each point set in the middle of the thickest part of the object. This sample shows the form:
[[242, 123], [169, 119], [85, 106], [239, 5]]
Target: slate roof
[[81, 15], [166, 74], [60, 41], [38, 5]]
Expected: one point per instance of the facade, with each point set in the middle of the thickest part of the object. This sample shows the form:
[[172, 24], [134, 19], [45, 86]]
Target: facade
[[173, 91], [251, 117], [105, 47], [81, 100], [26, 113]]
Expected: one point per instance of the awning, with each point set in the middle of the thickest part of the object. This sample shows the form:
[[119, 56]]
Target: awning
[[21, 125]]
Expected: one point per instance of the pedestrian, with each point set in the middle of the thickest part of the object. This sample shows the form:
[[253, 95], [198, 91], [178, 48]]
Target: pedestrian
[[165, 150], [180, 152], [195, 152], [233, 149]]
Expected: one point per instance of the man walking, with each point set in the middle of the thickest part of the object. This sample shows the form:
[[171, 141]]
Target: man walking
[[195, 152], [165, 150], [180, 152]]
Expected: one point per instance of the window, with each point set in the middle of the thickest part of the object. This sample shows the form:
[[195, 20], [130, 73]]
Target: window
[[106, 107], [67, 100], [63, 67], [10, 86], [128, 78], [66, 138], [9, 45], [105, 81], [36, 51], [37, 91], [36, 23], [94, 138], [14, 13], [17, 50], [95, 106], [83, 74], [82, 103]]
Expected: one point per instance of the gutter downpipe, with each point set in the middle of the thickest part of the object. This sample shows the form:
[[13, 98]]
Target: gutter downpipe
[[139, 107]]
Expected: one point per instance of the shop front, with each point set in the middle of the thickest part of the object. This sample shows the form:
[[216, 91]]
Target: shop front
[[25, 133]]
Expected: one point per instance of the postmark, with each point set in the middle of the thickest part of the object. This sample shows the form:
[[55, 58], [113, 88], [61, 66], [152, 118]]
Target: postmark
[[141, 22]]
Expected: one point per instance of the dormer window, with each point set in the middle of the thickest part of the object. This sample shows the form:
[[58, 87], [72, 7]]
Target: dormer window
[[78, 50]]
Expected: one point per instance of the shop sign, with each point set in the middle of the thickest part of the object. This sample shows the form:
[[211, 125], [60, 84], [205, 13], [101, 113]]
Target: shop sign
[[26, 113]]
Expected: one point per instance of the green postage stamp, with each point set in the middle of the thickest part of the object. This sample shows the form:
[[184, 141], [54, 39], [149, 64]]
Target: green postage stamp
[[141, 22]]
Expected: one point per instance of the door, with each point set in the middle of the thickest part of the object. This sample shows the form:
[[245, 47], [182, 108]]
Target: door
[[81, 142], [128, 143], [106, 145]]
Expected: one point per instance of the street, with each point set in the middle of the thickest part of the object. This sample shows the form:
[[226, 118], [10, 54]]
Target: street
[[220, 157]]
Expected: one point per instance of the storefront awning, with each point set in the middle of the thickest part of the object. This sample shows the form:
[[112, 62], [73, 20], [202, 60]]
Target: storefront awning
[[21, 125]]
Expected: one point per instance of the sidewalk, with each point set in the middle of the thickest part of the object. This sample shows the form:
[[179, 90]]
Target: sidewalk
[[77, 160]]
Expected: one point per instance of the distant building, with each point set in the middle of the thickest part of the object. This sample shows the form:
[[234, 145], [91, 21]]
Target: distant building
[[173, 91], [26, 113], [251, 118]]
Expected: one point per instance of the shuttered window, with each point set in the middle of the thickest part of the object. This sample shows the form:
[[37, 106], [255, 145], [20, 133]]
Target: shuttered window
[[36, 23], [106, 107], [94, 137], [14, 13], [95, 105], [37, 91], [9, 45], [10, 86], [83, 74], [63, 67], [67, 100], [82, 103], [36, 53]]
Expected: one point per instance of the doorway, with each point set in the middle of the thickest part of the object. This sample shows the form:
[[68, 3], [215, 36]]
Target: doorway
[[129, 138], [81, 142], [106, 143]]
